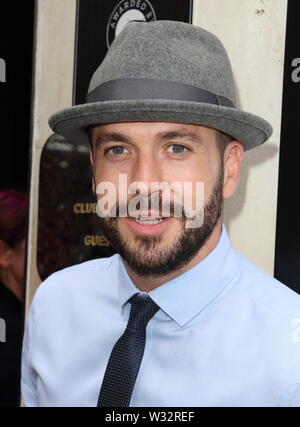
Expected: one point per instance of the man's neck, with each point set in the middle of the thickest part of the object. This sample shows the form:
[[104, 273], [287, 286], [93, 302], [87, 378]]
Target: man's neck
[[148, 283]]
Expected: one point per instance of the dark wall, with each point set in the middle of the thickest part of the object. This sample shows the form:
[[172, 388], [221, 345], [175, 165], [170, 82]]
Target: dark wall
[[16, 49], [287, 255], [16, 57]]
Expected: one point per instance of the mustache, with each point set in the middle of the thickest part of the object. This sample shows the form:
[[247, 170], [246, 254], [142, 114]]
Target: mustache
[[163, 208]]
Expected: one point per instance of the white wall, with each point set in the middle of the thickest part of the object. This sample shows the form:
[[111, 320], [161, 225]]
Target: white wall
[[53, 85], [253, 33]]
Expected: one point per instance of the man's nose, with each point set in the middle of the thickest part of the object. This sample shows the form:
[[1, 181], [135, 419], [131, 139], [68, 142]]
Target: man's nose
[[146, 169]]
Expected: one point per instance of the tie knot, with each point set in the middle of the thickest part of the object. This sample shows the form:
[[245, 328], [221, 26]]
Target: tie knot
[[142, 310]]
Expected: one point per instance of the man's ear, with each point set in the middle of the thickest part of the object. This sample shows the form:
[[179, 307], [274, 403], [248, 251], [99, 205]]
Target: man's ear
[[93, 185], [233, 156], [92, 167], [91, 157]]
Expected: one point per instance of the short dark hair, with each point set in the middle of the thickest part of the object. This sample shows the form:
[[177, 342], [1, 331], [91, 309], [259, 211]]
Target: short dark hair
[[88, 131]]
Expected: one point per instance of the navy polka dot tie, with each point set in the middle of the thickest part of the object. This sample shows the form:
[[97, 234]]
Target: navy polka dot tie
[[126, 356]]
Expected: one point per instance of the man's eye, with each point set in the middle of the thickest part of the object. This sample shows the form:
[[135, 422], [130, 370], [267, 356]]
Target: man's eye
[[177, 149], [117, 149]]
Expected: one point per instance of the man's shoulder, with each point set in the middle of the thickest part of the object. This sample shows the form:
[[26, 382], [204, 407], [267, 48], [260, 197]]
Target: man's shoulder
[[98, 264], [268, 291], [273, 310], [79, 276], [94, 265]]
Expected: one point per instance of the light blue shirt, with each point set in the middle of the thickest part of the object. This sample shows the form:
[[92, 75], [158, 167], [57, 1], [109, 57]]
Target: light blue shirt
[[225, 335]]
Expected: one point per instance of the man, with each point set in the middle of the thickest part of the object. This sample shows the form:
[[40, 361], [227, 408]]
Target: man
[[176, 317]]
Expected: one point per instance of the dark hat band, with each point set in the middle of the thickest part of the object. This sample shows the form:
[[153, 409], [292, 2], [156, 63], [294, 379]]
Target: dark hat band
[[140, 88]]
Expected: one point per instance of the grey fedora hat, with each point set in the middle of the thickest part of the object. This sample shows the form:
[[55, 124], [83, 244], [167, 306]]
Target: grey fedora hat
[[163, 71]]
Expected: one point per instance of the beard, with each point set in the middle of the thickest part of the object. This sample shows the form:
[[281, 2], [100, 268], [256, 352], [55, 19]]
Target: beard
[[145, 256]]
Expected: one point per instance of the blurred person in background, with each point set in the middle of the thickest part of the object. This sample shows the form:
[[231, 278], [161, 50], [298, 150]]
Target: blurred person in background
[[13, 224]]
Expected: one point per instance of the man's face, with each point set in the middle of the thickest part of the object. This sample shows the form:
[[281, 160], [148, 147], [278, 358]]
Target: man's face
[[150, 152]]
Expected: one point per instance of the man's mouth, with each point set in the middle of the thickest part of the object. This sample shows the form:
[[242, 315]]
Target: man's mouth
[[148, 220], [143, 222]]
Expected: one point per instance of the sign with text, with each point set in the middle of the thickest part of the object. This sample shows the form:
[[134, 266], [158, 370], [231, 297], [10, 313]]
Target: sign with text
[[100, 21], [69, 229]]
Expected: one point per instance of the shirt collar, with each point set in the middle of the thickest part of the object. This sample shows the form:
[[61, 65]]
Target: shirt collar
[[183, 297]]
